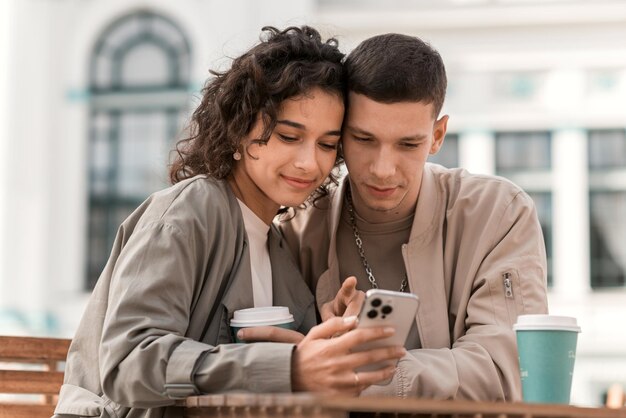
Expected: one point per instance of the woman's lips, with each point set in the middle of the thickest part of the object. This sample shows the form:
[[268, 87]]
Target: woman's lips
[[298, 182]]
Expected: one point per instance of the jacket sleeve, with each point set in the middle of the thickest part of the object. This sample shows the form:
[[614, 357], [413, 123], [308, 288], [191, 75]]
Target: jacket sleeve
[[144, 348], [482, 363]]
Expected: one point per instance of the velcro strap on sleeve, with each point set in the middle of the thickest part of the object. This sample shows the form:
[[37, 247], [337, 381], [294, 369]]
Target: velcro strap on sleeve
[[179, 375]]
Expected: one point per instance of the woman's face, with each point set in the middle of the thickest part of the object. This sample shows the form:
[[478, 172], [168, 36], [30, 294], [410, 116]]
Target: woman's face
[[297, 158]]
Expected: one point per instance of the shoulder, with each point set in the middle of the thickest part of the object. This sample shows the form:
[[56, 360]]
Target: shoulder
[[458, 187], [200, 201]]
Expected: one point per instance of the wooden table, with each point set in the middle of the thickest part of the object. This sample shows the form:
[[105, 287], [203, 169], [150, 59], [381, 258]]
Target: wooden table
[[306, 405]]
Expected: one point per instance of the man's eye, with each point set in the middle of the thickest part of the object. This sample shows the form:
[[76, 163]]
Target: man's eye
[[329, 145], [410, 145], [361, 138]]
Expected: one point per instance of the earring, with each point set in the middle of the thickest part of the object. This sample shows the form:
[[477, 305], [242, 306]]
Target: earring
[[236, 156]]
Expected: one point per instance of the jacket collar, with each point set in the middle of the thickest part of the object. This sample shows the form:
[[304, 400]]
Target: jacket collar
[[433, 307], [288, 286], [329, 282]]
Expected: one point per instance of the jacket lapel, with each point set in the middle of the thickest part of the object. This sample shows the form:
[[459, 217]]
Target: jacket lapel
[[329, 282], [423, 260], [239, 293], [288, 286]]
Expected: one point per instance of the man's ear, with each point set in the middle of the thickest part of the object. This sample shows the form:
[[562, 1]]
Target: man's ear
[[439, 133]]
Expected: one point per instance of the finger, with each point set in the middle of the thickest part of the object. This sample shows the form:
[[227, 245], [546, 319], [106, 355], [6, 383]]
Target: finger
[[352, 339], [375, 356], [270, 334], [353, 382], [369, 378], [354, 306], [327, 311], [345, 295], [333, 326]]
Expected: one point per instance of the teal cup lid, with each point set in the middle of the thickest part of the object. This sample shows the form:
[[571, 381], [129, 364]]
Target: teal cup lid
[[256, 317], [544, 322]]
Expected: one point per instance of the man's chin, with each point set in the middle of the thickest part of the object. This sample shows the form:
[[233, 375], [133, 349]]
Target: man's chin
[[381, 206]]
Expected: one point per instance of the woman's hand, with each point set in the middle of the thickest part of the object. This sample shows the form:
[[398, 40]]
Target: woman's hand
[[321, 363], [269, 334], [346, 303]]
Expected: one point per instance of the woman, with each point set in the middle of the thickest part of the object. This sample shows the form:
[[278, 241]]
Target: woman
[[156, 328]]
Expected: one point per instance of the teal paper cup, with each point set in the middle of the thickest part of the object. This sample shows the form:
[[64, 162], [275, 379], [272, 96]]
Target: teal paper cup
[[277, 316], [547, 350]]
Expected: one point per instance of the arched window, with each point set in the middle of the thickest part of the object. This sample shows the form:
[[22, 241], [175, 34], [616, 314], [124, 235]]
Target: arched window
[[139, 95]]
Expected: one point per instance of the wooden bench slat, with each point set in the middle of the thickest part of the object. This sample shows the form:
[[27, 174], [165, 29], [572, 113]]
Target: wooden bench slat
[[33, 349], [22, 381], [25, 411], [19, 377]]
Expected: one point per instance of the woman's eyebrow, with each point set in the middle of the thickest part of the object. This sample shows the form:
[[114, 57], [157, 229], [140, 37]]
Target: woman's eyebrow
[[291, 123], [303, 127]]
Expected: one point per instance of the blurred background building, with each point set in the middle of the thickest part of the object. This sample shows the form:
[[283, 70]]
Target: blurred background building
[[93, 94]]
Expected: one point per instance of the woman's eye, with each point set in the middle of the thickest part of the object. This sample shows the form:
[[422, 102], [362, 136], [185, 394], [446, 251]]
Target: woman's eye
[[287, 138]]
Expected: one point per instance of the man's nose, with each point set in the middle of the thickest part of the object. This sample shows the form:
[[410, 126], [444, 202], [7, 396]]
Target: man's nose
[[383, 165]]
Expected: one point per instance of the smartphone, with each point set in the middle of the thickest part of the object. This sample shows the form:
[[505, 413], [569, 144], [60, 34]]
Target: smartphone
[[390, 309]]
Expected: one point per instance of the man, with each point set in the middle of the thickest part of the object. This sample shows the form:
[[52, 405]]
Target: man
[[470, 247]]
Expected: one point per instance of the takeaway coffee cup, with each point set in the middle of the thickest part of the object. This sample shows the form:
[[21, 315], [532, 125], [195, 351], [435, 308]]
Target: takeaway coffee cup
[[547, 349], [278, 316]]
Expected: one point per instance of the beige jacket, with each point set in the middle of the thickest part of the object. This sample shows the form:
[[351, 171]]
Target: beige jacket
[[475, 258], [140, 343]]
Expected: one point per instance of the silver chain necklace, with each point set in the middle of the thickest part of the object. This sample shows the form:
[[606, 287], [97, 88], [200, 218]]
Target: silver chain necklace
[[359, 246]]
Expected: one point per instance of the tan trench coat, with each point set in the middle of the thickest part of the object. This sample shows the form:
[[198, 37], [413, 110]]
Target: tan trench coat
[[139, 344], [470, 234]]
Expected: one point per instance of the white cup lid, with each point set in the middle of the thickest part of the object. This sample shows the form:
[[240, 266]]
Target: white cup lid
[[546, 322], [256, 317]]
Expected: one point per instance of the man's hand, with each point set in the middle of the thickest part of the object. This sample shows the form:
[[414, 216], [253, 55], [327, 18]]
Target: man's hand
[[269, 334], [321, 363], [347, 302]]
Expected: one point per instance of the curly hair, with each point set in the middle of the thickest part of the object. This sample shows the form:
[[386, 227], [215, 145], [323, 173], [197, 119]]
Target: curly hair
[[283, 65]]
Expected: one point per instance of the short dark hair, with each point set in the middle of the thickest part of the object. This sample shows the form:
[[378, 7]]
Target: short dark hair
[[285, 64], [394, 68]]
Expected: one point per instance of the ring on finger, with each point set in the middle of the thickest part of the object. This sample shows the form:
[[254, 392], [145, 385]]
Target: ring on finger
[[357, 381]]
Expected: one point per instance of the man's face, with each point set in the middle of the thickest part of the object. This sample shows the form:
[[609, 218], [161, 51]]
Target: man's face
[[385, 149]]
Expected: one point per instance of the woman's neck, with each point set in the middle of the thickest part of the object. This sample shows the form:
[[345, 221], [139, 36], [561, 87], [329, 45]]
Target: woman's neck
[[246, 191]]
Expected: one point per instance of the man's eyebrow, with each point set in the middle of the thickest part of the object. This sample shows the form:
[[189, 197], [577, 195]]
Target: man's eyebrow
[[302, 127], [416, 137]]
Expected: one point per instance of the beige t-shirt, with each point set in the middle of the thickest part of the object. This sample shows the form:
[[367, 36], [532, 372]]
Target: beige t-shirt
[[382, 244]]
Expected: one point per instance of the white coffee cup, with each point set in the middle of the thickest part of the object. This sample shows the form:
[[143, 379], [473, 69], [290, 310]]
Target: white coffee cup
[[278, 316]]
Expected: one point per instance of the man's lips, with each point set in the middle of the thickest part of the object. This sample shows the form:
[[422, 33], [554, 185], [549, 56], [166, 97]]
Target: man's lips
[[381, 191], [298, 183]]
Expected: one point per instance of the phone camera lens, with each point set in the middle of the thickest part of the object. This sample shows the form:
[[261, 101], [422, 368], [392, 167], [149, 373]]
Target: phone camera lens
[[387, 309], [372, 314], [376, 303]]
